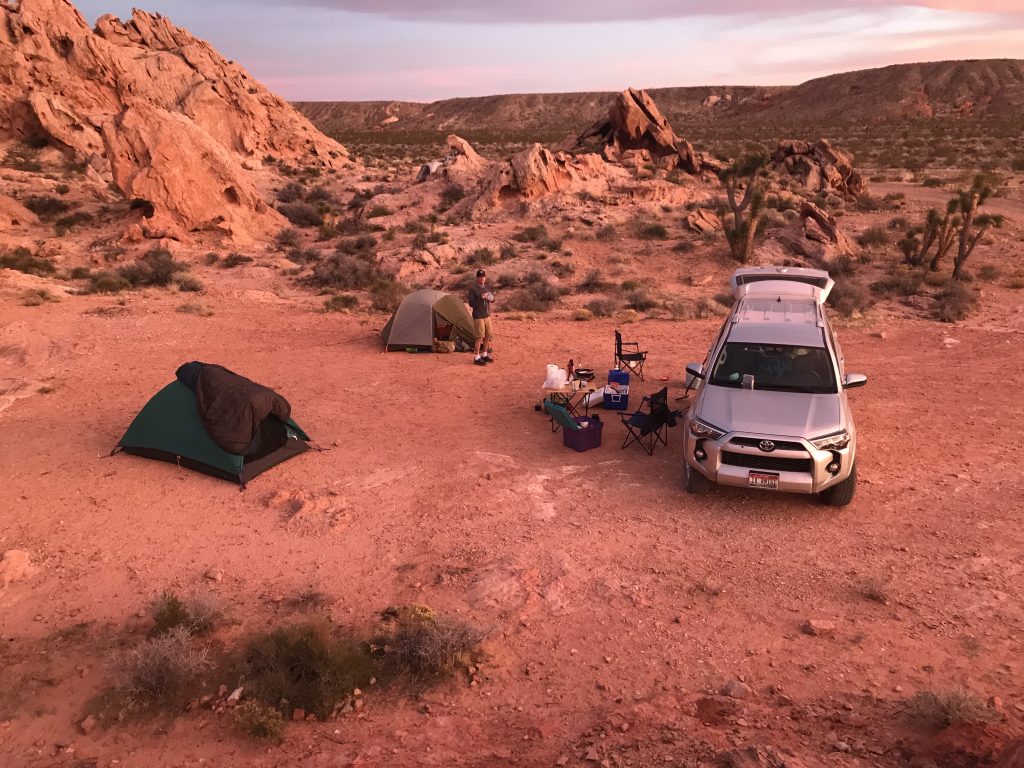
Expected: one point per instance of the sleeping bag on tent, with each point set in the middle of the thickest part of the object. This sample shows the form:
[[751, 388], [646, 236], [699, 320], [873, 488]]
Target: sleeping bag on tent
[[217, 422]]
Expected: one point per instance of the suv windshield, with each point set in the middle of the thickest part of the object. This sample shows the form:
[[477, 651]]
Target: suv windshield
[[775, 367]]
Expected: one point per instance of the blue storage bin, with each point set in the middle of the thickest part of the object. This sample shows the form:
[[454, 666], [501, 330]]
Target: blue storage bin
[[584, 438], [616, 376], [618, 401]]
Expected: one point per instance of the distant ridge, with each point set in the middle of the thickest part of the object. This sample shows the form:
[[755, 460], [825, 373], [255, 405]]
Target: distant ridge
[[989, 88]]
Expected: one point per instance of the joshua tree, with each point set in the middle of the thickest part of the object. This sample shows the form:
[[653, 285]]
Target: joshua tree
[[747, 213], [939, 230], [968, 201]]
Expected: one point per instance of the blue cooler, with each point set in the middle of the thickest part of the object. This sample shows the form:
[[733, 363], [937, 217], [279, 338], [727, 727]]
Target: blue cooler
[[618, 401], [615, 376]]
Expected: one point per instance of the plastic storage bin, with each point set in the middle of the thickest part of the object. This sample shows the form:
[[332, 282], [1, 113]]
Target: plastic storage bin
[[617, 401], [584, 438]]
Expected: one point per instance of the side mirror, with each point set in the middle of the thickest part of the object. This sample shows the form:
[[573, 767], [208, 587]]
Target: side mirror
[[695, 369], [854, 380]]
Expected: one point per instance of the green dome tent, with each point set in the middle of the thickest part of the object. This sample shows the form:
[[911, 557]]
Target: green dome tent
[[169, 428], [425, 315]]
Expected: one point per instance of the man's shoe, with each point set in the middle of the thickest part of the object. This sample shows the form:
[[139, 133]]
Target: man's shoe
[[488, 359], [479, 361]]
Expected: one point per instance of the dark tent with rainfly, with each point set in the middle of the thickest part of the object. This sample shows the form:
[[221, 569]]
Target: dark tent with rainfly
[[254, 422], [425, 315]]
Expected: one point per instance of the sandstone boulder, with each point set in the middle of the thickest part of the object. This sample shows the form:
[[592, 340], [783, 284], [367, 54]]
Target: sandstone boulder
[[702, 221], [635, 122], [819, 167], [463, 165], [14, 214]]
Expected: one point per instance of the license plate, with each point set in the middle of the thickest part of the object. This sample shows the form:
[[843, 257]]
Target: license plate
[[769, 480]]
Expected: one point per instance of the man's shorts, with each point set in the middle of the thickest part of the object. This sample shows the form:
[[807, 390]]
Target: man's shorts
[[484, 328]]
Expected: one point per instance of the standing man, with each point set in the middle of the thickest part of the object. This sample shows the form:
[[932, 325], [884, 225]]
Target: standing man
[[480, 299]]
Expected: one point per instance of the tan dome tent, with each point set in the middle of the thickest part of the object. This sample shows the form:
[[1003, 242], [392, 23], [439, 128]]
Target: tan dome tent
[[425, 315]]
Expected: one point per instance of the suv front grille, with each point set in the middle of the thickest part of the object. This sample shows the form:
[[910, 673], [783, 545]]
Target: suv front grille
[[773, 463], [780, 445]]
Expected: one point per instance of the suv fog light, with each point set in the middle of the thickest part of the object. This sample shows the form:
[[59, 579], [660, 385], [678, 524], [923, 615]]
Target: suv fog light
[[833, 467], [700, 454]]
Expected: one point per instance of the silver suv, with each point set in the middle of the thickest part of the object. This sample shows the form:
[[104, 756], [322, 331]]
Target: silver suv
[[770, 410]]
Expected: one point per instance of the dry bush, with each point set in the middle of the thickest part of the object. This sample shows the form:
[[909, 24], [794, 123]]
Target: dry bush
[[902, 283], [425, 645], [45, 206], [108, 282], [942, 709], [875, 590], [652, 232], [287, 238], [306, 666], [341, 303], [582, 315], [233, 260], [162, 669], [605, 233], [362, 245], [156, 268], [989, 273], [849, 298], [481, 257], [452, 194], [874, 236], [602, 307], [259, 721], [22, 260], [592, 283], [562, 269], [291, 192], [387, 294], [197, 615], [538, 295], [640, 299], [189, 285], [37, 297], [193, 308], [65, 224], [301, 214], [343, 272], [955, 302], [508, 251], [538, 235], [377, 211]]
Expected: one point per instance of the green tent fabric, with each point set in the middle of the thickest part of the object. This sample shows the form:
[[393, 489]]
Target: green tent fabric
[[168, 428], [424, 315]]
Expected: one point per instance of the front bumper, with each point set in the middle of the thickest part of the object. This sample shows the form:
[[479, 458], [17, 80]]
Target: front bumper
[[801, 467]]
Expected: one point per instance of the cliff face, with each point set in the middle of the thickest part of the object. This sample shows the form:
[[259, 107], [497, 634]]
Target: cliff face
[[154, 110]]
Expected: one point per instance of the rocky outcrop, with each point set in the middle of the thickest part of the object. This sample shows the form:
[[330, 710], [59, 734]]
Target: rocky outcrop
[[702, 221], [815, 236], [463, 165], [81, 87], [819, 167], [14, 214], [635, 123]]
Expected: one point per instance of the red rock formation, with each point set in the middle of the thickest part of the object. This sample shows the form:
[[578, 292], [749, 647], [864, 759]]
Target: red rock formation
[[191, 117], [820, 167]]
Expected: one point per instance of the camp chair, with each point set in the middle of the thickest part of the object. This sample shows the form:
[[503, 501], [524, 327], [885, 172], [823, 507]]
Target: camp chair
[[629, 356], [560, 417], [650, 427]]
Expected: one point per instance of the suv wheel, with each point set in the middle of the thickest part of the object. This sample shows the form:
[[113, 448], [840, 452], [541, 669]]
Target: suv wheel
[[695, 482], [841, 494]]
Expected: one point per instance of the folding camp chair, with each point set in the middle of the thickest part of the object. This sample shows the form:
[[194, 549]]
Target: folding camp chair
[[629, 356], [560, 416], [651, 427]]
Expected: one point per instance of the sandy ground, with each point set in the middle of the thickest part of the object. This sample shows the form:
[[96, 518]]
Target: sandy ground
[[618, 606]]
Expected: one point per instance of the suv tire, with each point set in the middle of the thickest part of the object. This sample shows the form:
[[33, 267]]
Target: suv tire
[[695, 482], [841, 494]]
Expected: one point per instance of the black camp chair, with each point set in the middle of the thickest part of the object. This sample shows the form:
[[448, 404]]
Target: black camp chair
[[629, 356], [648, 428]]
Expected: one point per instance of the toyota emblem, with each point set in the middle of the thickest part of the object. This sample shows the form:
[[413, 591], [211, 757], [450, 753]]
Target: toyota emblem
[[766, 445]]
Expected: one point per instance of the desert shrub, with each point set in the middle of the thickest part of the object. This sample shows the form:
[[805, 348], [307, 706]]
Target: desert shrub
[[605, 233], [452, 194], [341, 303], [62, 189], [602, 307], [36, 297], [845, 264], [989, 273], [362, 245], [108, 282], [902, 283], [630, 284], [725, 299], [259, 721], [287, 238], [562, 269], [65, 224], [387, 294], [868, 202], [652, 232], [305, 666], [291, 193], [319, 195], [873, 236], [389, 234], [994, 220], [414, 227], [233, 260], [582, 315], [377, 211], [80, 273], [531, 234], [198, 615], [640, 299], [437, 236], [210, 259], [683, 246], [344, 272], [1016, 283], [480, 257], [932, 182], [156, 268], [189, 285], [45, 207], [592, 283], [508, 251], [194, 308], [955, 302], [848, 298], [23, 158], [424, 644], [161, 670], [898, 222], [301, 214], [22, 260], [942, 709], [537, 296]]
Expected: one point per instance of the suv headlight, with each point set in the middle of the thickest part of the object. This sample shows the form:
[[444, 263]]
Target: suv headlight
[[700, 428], [834, 442]]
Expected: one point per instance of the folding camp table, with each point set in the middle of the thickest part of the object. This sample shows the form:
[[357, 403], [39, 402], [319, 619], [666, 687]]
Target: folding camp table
[[572, 398]]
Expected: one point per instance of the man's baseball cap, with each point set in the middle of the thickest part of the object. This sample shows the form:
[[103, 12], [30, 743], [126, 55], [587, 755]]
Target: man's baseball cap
[[481, 273]]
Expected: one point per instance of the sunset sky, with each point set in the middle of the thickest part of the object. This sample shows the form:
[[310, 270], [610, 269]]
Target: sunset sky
[[422, 50]]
